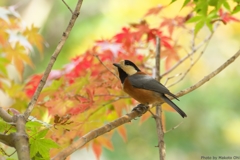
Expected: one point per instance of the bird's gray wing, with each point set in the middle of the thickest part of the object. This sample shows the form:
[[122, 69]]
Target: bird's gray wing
[[148, 83]]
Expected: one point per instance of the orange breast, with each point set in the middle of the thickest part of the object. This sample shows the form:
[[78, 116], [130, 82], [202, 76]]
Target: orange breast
[[141, 95]]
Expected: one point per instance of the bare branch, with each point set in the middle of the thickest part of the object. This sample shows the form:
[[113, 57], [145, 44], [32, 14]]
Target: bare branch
[[158, 118], [157, 58], [4, 153], [94, 134], [68, 6], [7, 139], [105, 66], [174, 76], [53, 59], [20, 138], [210, 76], [191, 66], [5, 116], [193, 51], [174, 127]]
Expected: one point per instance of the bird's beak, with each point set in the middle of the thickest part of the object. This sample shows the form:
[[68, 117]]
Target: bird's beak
[[116, 65]]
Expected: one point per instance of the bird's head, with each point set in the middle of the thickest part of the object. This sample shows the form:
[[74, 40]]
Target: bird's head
[[126, 68]]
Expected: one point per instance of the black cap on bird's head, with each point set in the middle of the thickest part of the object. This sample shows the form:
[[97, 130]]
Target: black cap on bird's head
[[126, 68]]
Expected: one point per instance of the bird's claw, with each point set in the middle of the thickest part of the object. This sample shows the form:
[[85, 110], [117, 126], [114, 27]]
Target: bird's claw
[[141, 109]]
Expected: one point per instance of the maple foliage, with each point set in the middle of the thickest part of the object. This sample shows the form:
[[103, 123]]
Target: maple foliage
[[227, 17], [86, 93], [87, 88]]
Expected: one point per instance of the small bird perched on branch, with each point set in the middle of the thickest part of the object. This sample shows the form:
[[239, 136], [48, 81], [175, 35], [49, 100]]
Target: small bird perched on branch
[[143, 87]]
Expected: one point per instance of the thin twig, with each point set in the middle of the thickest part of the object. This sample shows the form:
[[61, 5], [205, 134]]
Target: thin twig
[[4, 153], [157, 62], [68, 6], [192, 63], [193, 51], [5, 116], [105, 66], [174, 127], [174, 76], [210, 76], [53, 59]]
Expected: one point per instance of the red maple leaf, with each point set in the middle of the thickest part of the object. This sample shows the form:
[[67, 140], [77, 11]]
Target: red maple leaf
[[172, 23], [125, 37], [31, 86], [227, 17], [154, 10], [143, 28], [97, 149], [171, 55]]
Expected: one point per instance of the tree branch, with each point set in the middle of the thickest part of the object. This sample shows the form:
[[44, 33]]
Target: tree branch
[[158, 118], [105, 66], [210, 76], [20, 138], [53, 59], [5, 116], [193, 63], [127, 118], [193, 51], [94, 134], [7, 139], [67, 6]]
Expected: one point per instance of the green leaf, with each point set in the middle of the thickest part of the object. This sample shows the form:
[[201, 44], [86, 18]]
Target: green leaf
[[212, 14], [185, 3], [198, 26], [204, 8], [236, 9], [213, 3], [201, 7], [3, 63], [173, 1], [226, 5], [42, 133], [41, 146], [45, 146], [33, 147], [209, 25], [33, 124], [219, 4], [237, 1], [194, 19], [6, 127], [50, 143]]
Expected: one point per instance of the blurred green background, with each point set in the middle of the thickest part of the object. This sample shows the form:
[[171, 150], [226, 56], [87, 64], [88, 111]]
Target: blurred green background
[[212, 127]]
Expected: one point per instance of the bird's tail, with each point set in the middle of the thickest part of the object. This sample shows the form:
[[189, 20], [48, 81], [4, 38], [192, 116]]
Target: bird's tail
[[168, 101]]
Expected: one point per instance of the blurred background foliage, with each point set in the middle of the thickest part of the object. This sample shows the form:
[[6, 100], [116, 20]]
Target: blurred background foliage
[[212, 127]]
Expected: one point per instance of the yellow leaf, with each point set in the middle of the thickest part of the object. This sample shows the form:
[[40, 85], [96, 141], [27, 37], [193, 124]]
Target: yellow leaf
[[34, 37], [19, 66], [25, 58]]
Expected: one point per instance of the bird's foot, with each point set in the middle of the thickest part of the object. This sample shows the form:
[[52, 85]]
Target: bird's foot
[[141, 109]]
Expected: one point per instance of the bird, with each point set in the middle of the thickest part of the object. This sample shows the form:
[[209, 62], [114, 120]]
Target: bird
[[142, 87]]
